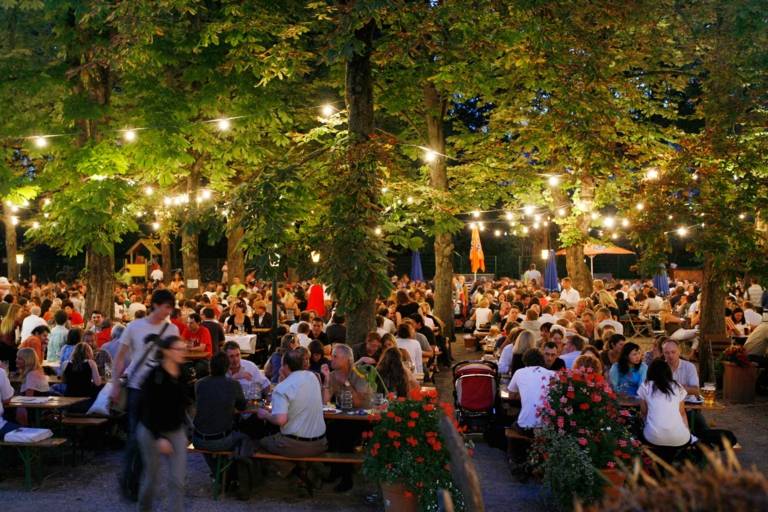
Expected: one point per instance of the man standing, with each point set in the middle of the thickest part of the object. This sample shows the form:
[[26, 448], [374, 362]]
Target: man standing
[[58, 336], [137, 343], [532, 275], [214, 328], [297, 408]]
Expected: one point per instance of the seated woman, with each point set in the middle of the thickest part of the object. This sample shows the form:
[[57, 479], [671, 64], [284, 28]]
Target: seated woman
[[272, 368], [662, 406], [238, 320], [33, 379], [388, 341], [588, 361], [397, 378], [628, 373], [656, 350], [736, 325], [669, 319], [511, 358], [74, 336], [81, 377], [317, 357]]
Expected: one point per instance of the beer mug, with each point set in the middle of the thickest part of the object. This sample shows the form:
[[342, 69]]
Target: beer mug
[[708, 391]]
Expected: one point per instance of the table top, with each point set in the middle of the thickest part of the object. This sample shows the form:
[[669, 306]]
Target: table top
[[330, 415], [689, 406], [196, 355], [45, 402], [52, 379]]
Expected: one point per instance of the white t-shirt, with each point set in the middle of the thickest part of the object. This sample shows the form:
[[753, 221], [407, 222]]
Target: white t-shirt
[[570, 358], [752, 317], [532, 383], [6, 392], [389, 325], [482, 316], [29, 324], [133, 308], [617, 326], [299, 396], [253, 370], [304, 340], [570, 297], [664, 426], [414, 350], [156, 275], [133, 337]]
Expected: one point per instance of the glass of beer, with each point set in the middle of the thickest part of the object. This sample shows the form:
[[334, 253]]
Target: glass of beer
[[708, 392]]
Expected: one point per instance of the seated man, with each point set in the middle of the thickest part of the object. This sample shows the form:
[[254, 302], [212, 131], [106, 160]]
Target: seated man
[[197, 334], [369, 351], [6, 393], [529, 385], [37, 340], [297, 408], [574, 344], [217, 399], [242, 370]]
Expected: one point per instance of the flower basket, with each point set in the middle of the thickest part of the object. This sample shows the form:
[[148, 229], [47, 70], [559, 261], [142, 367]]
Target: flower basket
[[739, 382], [406, 454]]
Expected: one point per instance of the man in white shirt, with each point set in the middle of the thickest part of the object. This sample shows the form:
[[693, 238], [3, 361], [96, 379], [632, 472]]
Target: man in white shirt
[[752, 317], [530, 385], [755, 292], [297, 408], [532, 275], [569, 294], [33, 320], [684, 372], [136, 305], [156, 275], [603, 317], [573, 346], [242, 370]]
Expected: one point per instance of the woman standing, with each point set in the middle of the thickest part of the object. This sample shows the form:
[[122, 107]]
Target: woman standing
[[161, 426]]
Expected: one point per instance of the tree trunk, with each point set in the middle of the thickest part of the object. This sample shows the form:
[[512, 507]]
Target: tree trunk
[[166, 257], [190, 260], [10, 243], [436, 106], [578, 271], [100, 282], [235, 254], [712, 317], [359, 101]]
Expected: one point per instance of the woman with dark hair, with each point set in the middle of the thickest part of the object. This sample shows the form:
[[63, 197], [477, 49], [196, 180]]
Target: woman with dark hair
[[405, 306], [81, 377], [161, 429], [612, 350], [238, 320], [662, 406], [396, 377], [74, 336], [272, 368], [736, 324], [628, 373]]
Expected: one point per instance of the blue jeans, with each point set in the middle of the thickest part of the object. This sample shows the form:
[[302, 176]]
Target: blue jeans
[[133, 402], [177, 468]]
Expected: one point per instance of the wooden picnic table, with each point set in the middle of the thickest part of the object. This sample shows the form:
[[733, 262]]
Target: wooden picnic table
[[36, 404], [634, 403], [196, 354]]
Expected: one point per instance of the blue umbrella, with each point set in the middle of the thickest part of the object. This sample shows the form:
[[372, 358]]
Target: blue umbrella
[[661, 283], [417, 274], [551, 281]]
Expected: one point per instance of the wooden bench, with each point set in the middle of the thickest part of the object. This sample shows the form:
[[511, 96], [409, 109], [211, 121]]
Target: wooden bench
[[29, 451], [77, 425], [223, 462]]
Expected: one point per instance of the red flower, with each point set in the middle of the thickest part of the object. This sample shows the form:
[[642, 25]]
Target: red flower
[[414, 414], [393, 434], [415, 394], [398, 419], [582, 441], [419, 460], [408, 494], [584, 406], [396, 444], [428, 407], [411, 440], [437, 446], [411, 424]]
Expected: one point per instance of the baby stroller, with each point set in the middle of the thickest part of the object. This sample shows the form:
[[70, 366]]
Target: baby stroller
[[475, 384]]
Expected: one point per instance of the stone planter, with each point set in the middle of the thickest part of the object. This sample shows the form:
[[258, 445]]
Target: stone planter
[[739, 383], [614, 482], [395, 499]]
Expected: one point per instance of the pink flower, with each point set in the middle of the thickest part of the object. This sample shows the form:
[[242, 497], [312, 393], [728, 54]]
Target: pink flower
[[582, 441], [622, 443], [611, 464], [560, 422], [563, 400]]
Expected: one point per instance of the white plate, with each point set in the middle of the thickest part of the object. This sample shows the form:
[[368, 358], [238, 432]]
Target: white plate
[[331, 410], [694, 399]]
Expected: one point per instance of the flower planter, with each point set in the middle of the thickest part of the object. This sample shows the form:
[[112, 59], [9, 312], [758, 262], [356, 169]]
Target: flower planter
[[396, 499], [739, 383], [614, 482]]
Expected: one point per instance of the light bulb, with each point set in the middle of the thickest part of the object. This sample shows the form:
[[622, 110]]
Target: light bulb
[[481, 226], [46, 201], [497, 232], [639, 206], [614, 236], [561, 212], [476, 214], [410, 199], [223, 125], [472, 225], [525, 229], [682, 231], [625, 223], [594, 215], [377, 231], [148, 191], [509, 216], [155, 226], [553, 181], [652, 174], [609, 222], [528, 210], [384, 190], [205, 194], [129, 135], [14, 220], [430, 156], [41, 142], [35, 225], [327, 110]]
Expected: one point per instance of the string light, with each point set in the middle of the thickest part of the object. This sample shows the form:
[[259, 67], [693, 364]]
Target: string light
[[472, 225], [509, 216], [528, 210], [148, 191], [594, 215], [553, 181], [535, 225], [652, 174], [481, 226], [682, 231], [525, 229], [46, 201], [537, 217], [561, 212], [742, 216], [430, 156], [14, 208], [410, 199], [614, 236], [670, 217], [35, 225], [625, 223], [695, 176], [14, 220], [476, 214], [223, 125], [156, 226], [327, 110], [497, 233], [129, 135], [384, 190], [377, 231], [205, 194], [609, 222], [639, 206], [167, 201], [41, 142]]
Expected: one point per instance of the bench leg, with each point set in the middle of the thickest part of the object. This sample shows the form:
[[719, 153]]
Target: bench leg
[[220, 475], [27, 456]]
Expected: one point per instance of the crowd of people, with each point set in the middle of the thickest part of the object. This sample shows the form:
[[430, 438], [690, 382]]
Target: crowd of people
[[140, 349]]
